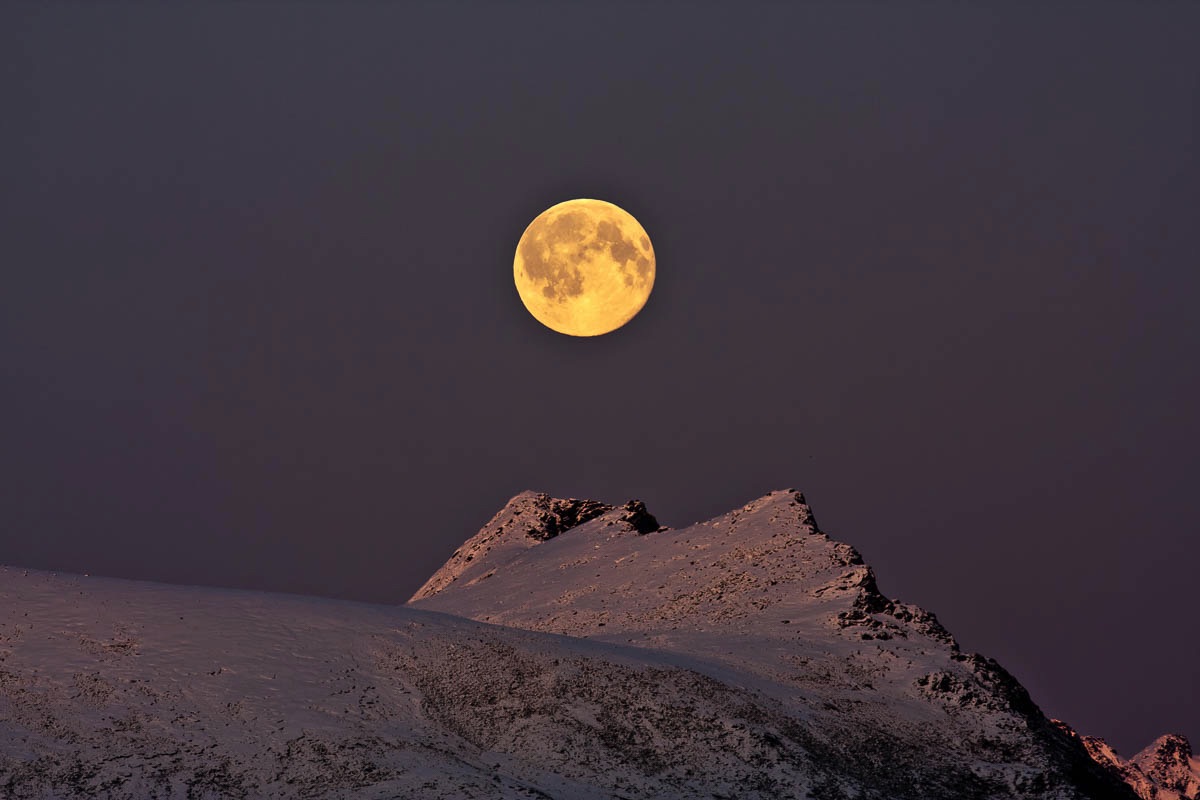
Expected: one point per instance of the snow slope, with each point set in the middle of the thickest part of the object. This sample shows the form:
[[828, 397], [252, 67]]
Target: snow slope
[[569, 650], [122, 689]]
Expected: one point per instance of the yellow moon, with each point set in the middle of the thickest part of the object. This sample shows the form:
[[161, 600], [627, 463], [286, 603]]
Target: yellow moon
[[584, 267]]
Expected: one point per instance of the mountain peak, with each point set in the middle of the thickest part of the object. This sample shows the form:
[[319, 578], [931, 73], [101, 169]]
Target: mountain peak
[[547, 517], [1172, 747], [1169, 765], [527, 520]]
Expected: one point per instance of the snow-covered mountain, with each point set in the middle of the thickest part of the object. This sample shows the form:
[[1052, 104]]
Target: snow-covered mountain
[[571, 649], [763, 593]]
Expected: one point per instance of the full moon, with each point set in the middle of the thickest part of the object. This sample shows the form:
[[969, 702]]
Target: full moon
[[584, 267]]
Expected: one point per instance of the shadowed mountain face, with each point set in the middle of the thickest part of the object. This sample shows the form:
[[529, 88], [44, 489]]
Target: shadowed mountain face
[[1166, 770], [571, 649]]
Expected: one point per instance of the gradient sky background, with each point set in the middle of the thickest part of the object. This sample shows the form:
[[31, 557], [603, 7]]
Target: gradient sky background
[[934, 265]]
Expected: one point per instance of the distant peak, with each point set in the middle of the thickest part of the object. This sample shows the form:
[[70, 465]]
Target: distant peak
[[1174, 746], [1169, 764], [1165, 770]]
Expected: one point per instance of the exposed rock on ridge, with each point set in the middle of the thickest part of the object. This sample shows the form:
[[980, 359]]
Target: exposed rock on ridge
[[1166, 770], [1170, 766], [527, 520]]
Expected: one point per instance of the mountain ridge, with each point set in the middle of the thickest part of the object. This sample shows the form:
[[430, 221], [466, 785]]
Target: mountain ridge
[[570, 649], [1154, 774]]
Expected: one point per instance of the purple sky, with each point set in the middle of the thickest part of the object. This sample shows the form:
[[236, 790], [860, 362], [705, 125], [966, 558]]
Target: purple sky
[[935, 266]]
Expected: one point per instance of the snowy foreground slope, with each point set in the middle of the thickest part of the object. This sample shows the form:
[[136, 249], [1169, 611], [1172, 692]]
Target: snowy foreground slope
[[747, 657]]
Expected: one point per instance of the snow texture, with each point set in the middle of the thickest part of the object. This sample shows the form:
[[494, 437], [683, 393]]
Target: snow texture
[[571, 649]]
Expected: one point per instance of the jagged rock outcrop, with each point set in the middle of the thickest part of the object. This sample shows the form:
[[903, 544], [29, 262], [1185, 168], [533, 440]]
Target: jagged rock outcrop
[[527, 520], [1165, 770], [1169, 765]]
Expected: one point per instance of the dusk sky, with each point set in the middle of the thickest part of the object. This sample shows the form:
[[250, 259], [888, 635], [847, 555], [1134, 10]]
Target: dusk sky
[[934, 265]]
